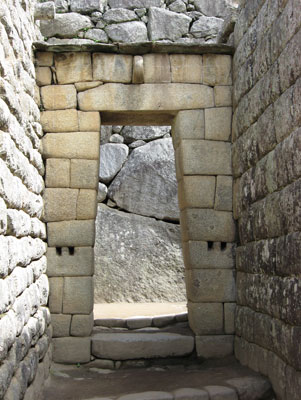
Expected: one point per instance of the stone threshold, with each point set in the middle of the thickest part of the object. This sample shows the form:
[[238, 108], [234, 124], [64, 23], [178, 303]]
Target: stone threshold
[[137, 48], [222, 380]]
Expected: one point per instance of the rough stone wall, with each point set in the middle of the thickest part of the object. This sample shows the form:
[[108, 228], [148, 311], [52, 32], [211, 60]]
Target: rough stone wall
[[266, 166], [102, 21], [25, 332]]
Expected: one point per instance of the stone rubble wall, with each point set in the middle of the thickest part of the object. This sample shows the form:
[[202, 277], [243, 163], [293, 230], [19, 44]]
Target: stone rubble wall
[[102, 21], [267, 190], [25, 331], [191, 92]]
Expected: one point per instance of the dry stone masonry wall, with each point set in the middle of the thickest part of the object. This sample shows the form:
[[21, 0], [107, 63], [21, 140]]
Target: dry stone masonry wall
[[137, 250], [102, 21], [25, 332], [266, 167], [191, 92]]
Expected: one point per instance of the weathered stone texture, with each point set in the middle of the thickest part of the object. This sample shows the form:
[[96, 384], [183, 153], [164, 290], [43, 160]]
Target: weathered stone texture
[[266, 165], [24, 323], [267, 192], [121, 240], [157, 198], [147, 97]]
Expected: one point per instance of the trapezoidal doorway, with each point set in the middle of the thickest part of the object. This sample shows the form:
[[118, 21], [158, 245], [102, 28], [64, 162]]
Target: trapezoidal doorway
[[193, 94]]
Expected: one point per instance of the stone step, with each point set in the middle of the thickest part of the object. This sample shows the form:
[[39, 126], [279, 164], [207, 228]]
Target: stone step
[[128, 345], [142, 321]]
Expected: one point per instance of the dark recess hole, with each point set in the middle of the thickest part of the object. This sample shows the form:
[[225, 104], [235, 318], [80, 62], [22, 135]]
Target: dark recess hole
[[210, 245], [71, 251], [223, 246], [58, 251]]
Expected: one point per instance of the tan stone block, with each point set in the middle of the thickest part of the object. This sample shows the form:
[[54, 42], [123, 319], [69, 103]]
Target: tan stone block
[[196, 191], [207, 225], [73, 67], [189, 124], [86, 204], [84, 174], [80, 262], [59, 121], [112, 67], [43, 76], [82, 325], [146, 97], [78, 295], [199, 254], [210, 285], [223, 195], [82, 86], [59, 97], [204, 157], [71, 233], [61, 325], [57, 172], [89, 121], [44, 58], [71, 145], [72, 350], [229, 315], [218, 123], [156, 68], [186, 68], [206, 318], [223, 96], [60, 204], [55, 302], [217, 346], [217, 69]]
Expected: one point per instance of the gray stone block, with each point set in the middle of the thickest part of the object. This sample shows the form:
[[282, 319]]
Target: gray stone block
[[126, 346], [71, 350], [80, 263], [210, 285], [78, 295], [217, 346]]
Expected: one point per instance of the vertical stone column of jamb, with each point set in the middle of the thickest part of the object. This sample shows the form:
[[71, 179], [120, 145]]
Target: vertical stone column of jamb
[[196, 173], [71, 149]]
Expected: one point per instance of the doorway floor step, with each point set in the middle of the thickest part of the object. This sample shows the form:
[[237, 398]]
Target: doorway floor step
[[123, 344], [213, 380]]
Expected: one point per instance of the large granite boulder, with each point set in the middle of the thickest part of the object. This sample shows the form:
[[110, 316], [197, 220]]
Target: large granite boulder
[[206, 27], [128, 32], [112, 158], [216, 8], [146, 133], [132, 4], [165, 24], [87, 6], [137, 259], [65, 25], [119, 15], [147, 184]]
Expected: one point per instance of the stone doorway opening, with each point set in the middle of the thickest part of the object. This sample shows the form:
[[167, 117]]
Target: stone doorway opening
[[139, 268], [193, 94]]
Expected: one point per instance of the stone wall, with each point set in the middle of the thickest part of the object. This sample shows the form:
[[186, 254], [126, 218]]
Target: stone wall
[[266, 166], [102, 21], [138, 255], [193, 94], [25, 333]]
